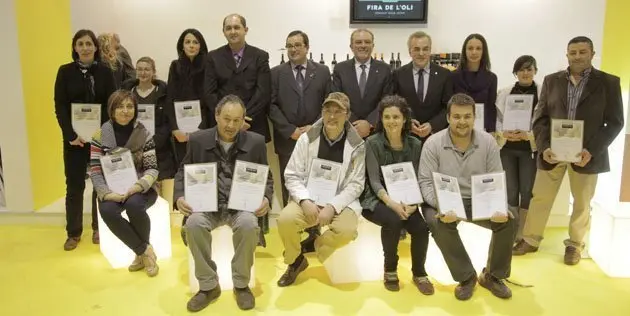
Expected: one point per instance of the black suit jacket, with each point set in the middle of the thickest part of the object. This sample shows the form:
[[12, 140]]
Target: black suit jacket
[[289, 108], [600, 107], [379, 84], [439, 91], [251, 81]]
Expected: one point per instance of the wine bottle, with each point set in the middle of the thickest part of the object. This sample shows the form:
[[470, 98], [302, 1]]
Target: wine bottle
[[347, 56], [282, 60], [383, 60], [321, 59], [334, 62], [398, 62], [310, 57], [392, 62], [375, 56]]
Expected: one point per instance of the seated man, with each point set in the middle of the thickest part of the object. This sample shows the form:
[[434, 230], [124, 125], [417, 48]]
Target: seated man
[[334, 139], [459, 151], [224, 144]]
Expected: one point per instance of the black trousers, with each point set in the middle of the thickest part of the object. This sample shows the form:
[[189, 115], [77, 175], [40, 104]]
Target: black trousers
[[75, 160], [520, 173], [391, 225], [135, 232]]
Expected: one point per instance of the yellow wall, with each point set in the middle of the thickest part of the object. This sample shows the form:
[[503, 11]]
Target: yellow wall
[[616, 45], [44, 39]]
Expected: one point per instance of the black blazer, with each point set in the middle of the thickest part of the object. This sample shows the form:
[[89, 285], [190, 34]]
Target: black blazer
[[286, 112], [71, 86], [379, 84], [251, 82], [439, 91], [185, 83]]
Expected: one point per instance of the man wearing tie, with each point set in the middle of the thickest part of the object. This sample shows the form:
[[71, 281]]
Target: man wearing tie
[[243, 70], [364, 80], [298, 88], [425, 85]]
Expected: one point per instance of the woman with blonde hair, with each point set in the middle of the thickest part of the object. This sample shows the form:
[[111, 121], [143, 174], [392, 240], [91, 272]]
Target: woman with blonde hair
[[109, 56]]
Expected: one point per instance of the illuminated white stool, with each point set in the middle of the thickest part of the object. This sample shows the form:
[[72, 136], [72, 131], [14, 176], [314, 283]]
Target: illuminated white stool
[[119, 255], [360, 260], [222, 253], [609, 239], [476, 240]]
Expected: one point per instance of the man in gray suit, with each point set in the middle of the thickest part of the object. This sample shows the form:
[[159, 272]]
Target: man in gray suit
[[580, 92], [298, 88], [364, 80], [224, 144]]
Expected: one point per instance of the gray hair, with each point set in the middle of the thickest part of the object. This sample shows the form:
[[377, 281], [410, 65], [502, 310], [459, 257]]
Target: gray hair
[[230, 98]]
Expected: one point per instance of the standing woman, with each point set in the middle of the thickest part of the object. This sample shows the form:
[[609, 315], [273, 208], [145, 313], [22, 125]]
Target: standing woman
[[85, 80], [393, 143], [474, 78], [124, 133], [518, 148], [109, 56], [147, 89]]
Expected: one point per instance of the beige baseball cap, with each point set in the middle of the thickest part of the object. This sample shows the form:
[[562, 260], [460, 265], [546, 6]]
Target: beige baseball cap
[[338, 98]]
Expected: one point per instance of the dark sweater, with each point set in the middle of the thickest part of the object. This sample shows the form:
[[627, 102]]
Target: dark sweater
[[331, 153], [72, 86], [482, 87], [185, 83]]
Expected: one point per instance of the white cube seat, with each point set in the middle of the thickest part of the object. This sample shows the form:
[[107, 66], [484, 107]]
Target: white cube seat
[[609, 239]]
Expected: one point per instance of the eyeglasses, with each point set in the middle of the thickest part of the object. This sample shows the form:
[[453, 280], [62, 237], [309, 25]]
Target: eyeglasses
[[296, 46], [334, 112]]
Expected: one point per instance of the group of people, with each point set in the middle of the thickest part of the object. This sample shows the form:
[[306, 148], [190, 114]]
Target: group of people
[[362, 116]]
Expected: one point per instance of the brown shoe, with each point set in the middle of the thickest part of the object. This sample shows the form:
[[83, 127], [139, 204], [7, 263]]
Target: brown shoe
[[391, 282], [136, 265], [202, 299], [572, 255], [494, 285], [424, 285], [293, 270], [464, 290], [96, 239], [522, 248], [71, 243], [148, 259], [244, 298]]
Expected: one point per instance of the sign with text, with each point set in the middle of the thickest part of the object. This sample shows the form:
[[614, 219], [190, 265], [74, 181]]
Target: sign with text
[[388, 11]]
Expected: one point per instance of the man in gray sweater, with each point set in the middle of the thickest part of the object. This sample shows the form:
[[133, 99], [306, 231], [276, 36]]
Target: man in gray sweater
[[459, 151]]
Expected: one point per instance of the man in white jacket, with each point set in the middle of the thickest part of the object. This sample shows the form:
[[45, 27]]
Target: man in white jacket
[[331, 138]]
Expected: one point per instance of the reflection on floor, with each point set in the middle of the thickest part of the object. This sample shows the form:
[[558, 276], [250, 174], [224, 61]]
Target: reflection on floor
[[38, 278]]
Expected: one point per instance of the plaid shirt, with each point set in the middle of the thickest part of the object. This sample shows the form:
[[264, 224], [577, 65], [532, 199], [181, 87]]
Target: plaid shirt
[[575, 91]]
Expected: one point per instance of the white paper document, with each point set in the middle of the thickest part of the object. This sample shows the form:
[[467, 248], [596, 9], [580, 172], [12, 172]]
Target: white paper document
[[448, 195], [119, 171], [566, 139], [489, 195], [200, 187], [86, 119], [146, 116], [188, 115], [322, 180], [518, 112], [248, 186], [401, 183], [479, 117]]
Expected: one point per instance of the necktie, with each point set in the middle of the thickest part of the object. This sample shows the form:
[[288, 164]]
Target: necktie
[[420, 89], [237, 60], [299, 77], [362, 79]]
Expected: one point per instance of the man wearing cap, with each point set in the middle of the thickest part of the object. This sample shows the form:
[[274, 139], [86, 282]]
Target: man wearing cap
[[331, 138]]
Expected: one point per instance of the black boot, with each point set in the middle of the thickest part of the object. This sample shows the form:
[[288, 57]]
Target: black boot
[[308, 244]]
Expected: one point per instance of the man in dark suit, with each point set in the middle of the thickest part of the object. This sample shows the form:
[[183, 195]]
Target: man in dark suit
[[364, 80], [579, 93], [243, 70], [224, 144], [298, 88], [426, 87]]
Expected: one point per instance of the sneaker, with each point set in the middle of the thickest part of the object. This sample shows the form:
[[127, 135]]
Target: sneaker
[[202, 299], [572, 255], [149, 260], [292, 272], [71, 243], [522, 248], [494, 285], [424, 285], [96, 239], [464, 290], [391, 282], [136, 265], [244, 298]]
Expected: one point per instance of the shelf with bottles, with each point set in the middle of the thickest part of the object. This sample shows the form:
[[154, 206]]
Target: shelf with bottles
[[446, 60]]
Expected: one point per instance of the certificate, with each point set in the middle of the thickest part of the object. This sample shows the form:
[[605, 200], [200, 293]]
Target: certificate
[[479, 117], [322, 180], [188, 115], [248, 186], [146, 116], [86, 119], [489, 195], [518, 112], [401, 183], [119, 171], [448, 195], [566, 139], [200, 186]]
